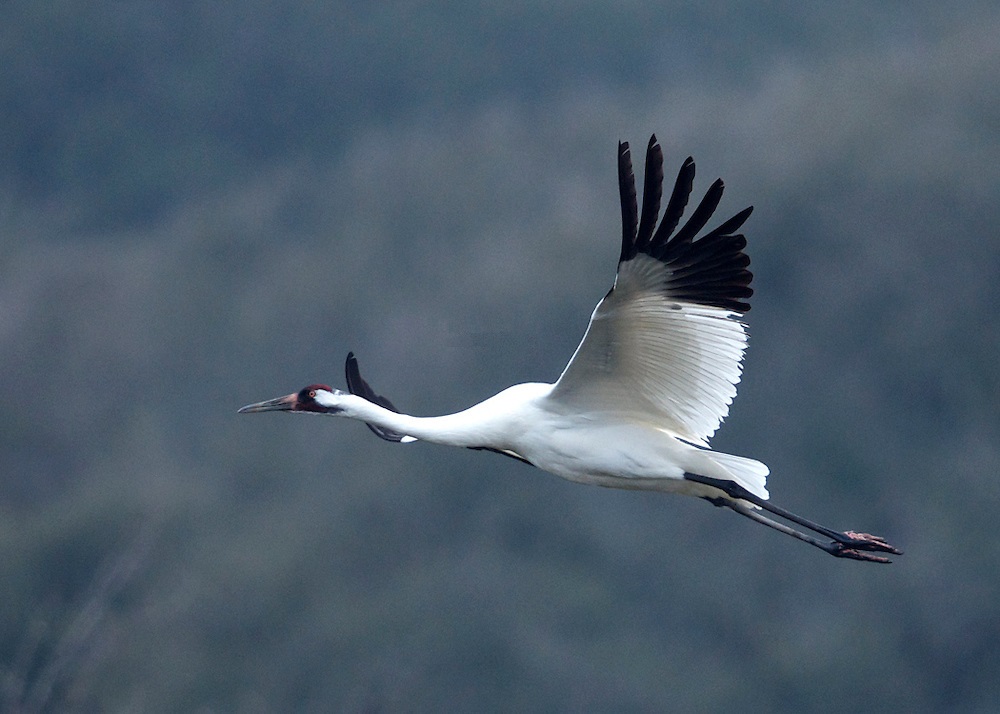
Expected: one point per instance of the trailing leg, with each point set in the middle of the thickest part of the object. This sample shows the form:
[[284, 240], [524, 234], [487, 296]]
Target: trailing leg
[[847, 544]]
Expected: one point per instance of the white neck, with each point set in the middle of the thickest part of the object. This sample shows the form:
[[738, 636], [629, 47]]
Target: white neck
[[452, 429], [494, 423]]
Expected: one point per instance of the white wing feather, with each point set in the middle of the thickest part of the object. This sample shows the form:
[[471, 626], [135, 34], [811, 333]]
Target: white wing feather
[[672, 363]]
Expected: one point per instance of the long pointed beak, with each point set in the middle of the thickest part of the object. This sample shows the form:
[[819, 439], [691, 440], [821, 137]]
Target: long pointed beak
[[281, 404]]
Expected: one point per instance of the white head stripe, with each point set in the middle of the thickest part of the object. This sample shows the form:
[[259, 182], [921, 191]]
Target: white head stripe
[[325, 398]]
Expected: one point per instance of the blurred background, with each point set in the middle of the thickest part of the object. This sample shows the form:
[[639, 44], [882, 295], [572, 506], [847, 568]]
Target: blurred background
[[207, 204]]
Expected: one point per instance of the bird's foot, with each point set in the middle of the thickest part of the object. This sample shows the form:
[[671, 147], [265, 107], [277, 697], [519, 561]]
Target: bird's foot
[[858, 546]]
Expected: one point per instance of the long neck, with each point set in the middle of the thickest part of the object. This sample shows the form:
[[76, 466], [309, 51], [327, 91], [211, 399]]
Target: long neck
[[471, 427]]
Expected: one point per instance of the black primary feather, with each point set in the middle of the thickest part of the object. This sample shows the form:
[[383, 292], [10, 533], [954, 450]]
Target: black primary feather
[[652, 189], [630, 211], [710, 270]]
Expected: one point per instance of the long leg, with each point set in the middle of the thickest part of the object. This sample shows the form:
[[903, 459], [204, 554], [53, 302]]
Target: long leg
[[847, 544]]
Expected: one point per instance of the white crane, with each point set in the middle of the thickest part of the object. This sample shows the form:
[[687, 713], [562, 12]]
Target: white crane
[[646, 388]]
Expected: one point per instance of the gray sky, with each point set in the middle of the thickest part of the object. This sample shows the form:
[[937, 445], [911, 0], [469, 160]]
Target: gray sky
[[207, 207]]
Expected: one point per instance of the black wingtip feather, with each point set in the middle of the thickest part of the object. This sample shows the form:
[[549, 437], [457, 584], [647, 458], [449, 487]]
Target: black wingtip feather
[[358, 386], [677, 203], [652, 190], [732, 225], [710, 270], [701, 214], [630, 209]]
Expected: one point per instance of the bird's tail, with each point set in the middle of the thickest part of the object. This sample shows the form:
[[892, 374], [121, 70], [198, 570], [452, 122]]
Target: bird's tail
[[748, 473]]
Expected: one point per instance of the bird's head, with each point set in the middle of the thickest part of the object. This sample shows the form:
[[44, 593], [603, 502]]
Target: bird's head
[[315, 399]]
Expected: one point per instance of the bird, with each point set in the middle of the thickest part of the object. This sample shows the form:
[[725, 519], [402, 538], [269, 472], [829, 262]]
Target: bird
[[647, 387]]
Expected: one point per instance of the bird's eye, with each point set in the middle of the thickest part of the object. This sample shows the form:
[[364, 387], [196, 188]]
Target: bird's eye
[[312, 393]]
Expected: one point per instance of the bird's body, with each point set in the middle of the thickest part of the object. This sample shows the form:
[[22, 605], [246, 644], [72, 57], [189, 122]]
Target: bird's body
[[649, 384], [615, 450]]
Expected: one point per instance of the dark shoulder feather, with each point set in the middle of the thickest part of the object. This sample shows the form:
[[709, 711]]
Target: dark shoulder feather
[[710, 270], [358, 386]]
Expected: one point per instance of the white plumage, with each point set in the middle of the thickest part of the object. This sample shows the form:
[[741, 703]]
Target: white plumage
[[647, 387], [671, 362]]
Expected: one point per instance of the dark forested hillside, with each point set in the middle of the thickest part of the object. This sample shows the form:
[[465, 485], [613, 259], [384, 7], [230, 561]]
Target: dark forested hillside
[[206, 205]]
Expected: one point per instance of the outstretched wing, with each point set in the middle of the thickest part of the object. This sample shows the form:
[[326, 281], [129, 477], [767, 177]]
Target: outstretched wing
[[666, 344]]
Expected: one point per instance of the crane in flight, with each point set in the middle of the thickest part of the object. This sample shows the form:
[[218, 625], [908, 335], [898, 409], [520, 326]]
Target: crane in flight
[[647, 387]]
